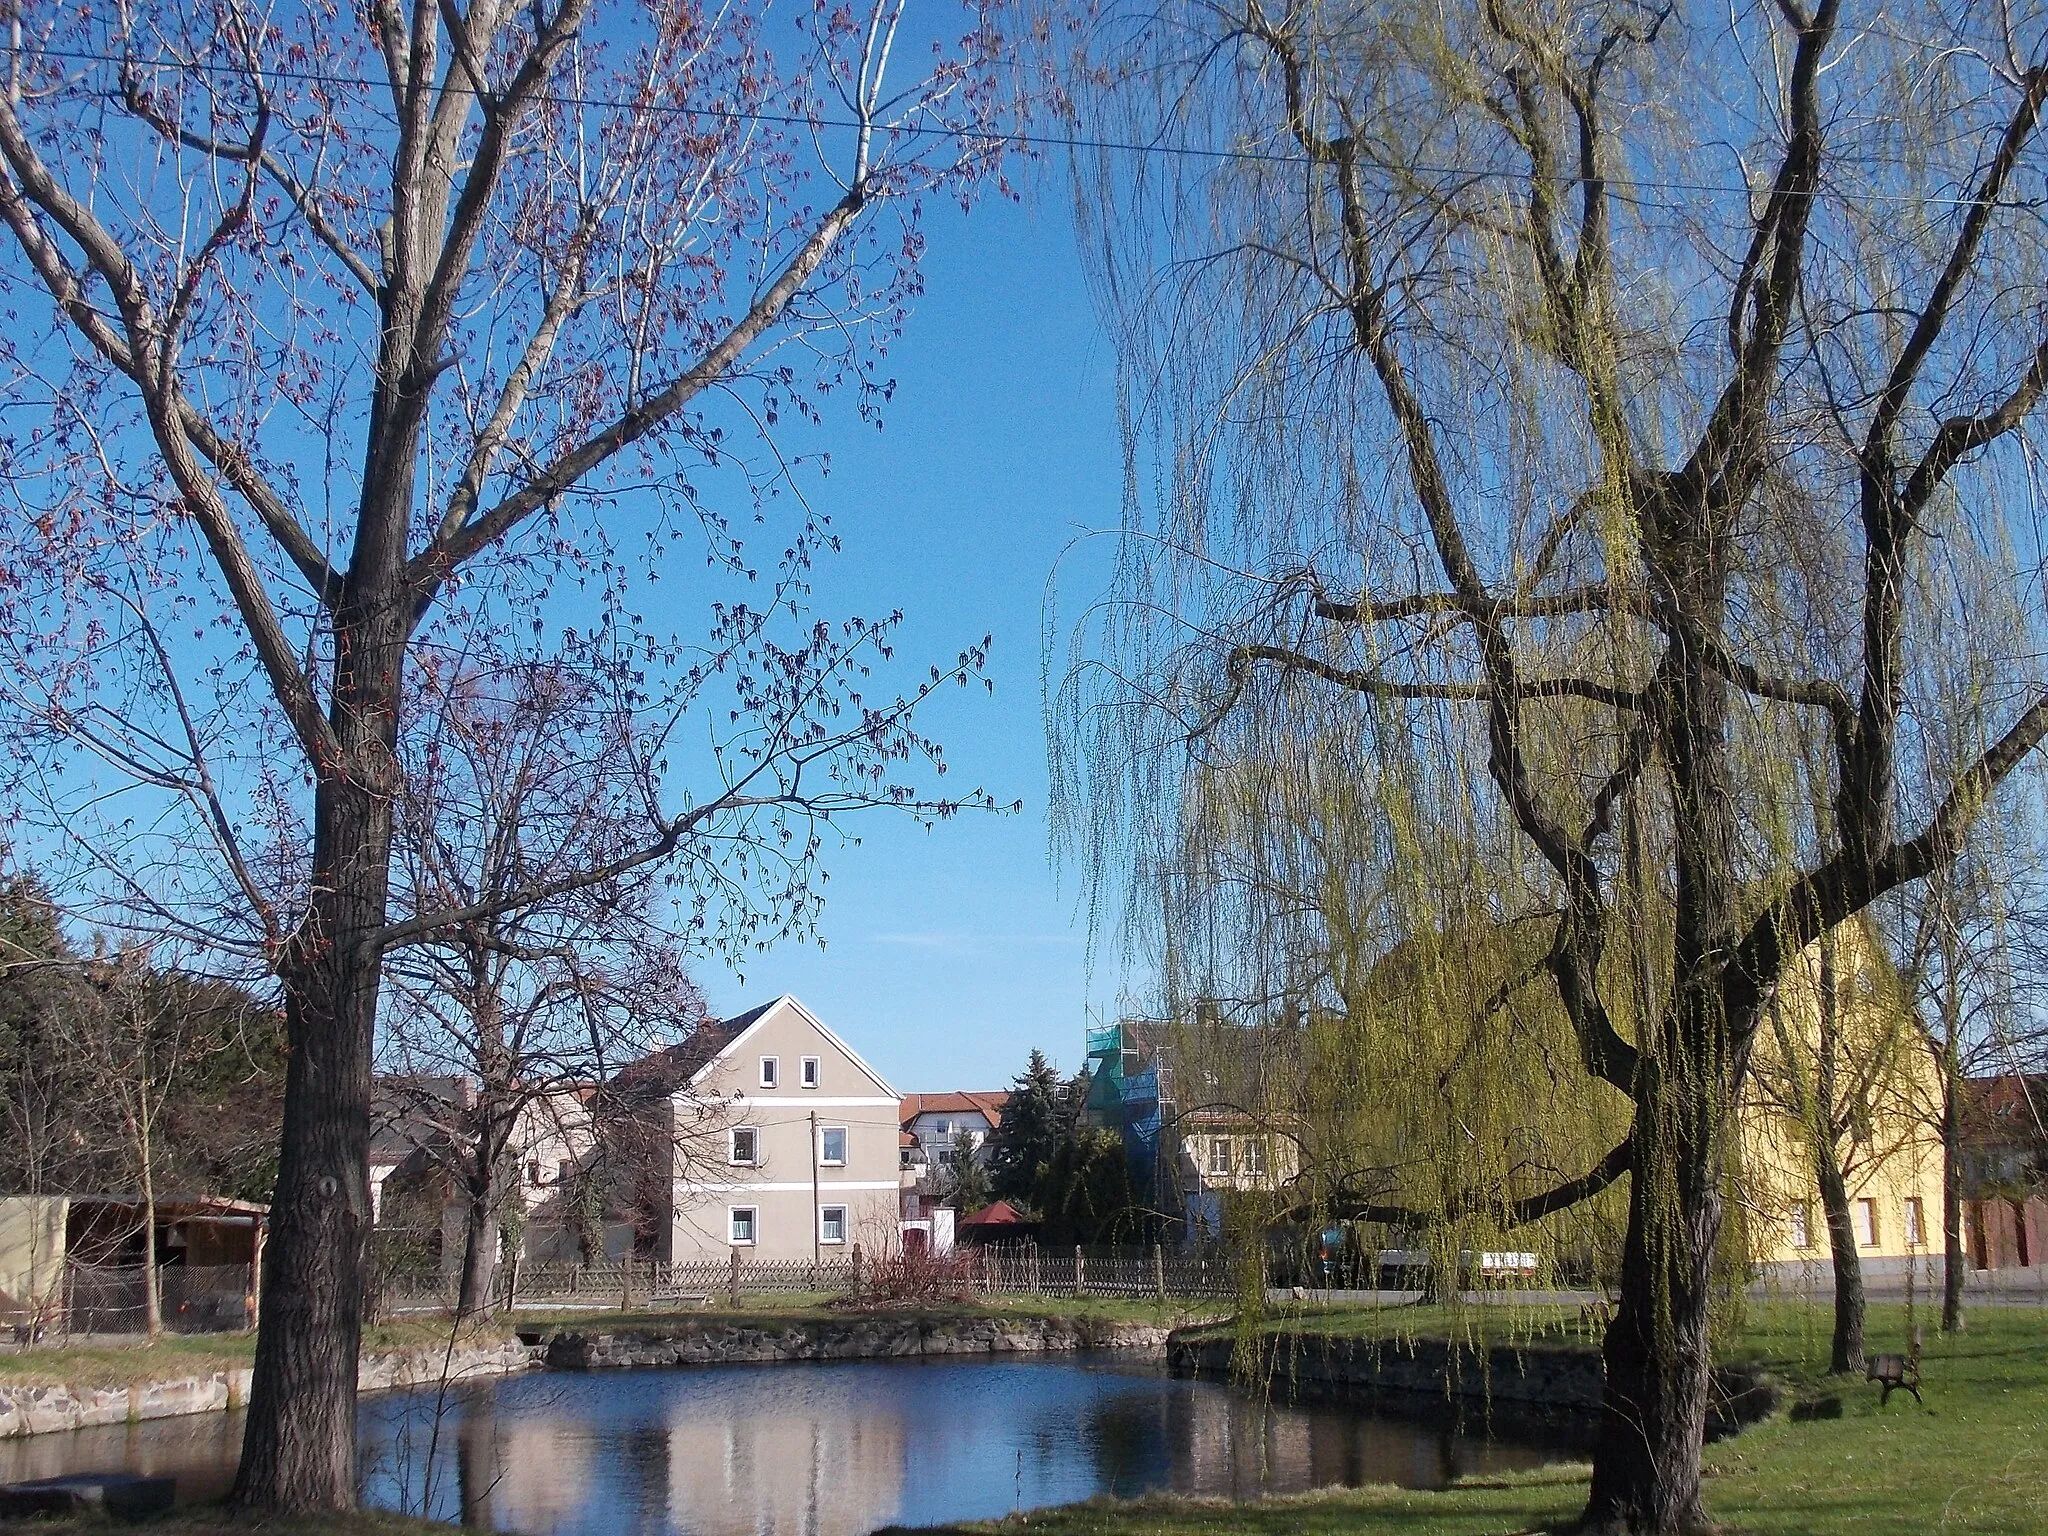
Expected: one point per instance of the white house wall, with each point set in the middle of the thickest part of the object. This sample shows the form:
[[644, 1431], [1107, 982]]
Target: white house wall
[[778, 1187]]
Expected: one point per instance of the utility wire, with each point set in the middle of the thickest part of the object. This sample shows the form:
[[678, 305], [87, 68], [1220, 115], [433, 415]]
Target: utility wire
[[1620, 186]]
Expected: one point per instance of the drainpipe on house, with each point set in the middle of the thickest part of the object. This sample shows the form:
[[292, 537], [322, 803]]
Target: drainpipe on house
[[816, 1216]]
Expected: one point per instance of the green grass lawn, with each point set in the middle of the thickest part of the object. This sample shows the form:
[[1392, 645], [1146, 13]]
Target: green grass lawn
[[209, 1520], [1975, 1458], [175, 1356]]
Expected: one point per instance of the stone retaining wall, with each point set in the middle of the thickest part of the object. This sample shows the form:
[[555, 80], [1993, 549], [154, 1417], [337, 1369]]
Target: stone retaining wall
[[1552, 1389], [32, 1410], [842, 1339]]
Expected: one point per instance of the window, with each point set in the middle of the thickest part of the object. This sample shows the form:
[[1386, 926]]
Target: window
[[768, 1069], [832, 1145], [1915, 1231], [1866, 1223], [562, 1172], [943, 1127], [832, 1224], [533, 1173], [1255, 1156], [743, 1223], [1801, 1221], [746, 1148], [1219, 1154], [809, 1074]]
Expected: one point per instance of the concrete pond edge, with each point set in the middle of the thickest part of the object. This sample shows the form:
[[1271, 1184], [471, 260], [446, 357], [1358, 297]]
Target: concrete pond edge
[[1549, 1392], [50, 1409], [1536, 1389]]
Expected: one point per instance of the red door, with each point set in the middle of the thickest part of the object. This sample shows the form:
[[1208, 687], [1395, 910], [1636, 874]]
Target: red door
[[916, 1242]]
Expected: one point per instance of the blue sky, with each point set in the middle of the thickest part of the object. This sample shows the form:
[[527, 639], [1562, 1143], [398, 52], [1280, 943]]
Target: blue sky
[[949, 954]]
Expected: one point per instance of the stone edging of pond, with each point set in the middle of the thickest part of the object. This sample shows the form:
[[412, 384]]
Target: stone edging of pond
[[1548, 1390], [852, 1338], [37, 1410]]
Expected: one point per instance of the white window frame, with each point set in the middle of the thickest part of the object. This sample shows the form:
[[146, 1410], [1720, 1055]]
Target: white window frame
[[1801, 1224], [1220, 1151], [1255, 1157], [1865, 1216], [771, 1071], [732, 1148], [823, 1235], [1914, 1222], [810, 1071], [824, 1159], [732, 1223]]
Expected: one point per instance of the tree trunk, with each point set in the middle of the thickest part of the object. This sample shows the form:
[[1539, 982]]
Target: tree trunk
[[1845, 1353], [1646, 1468], [479, 1244], [298, 1451], [152, 1283], [1953, 1263]]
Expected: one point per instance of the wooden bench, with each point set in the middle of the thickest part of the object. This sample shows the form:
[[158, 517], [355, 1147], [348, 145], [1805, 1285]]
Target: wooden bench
[[1897, 1372]]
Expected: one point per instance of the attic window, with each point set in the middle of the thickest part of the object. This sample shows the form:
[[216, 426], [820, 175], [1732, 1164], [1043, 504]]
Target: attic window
[[810, 1072], [768, 1071]]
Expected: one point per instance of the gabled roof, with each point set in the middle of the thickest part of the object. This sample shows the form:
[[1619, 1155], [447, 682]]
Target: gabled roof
[[687, 1064], [961, 1102], [665, 1071], [1001, 1214], [2013, 1106]]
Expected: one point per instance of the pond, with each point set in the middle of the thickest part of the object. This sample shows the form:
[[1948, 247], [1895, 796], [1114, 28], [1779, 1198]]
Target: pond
[[812, 1450]]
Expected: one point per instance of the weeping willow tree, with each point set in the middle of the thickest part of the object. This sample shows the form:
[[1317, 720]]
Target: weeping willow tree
[[1561, 407]]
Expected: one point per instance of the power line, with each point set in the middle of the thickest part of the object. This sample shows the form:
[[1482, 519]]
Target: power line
[[1620, 187]]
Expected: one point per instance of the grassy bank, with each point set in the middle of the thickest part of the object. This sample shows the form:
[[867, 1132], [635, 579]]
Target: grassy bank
[[212, 1521], [1975, 1458], [173, 1356]]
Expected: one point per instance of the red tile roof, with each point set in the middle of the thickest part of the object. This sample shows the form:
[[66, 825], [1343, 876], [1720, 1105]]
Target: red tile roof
[[960, 1103], [1001, 1214]]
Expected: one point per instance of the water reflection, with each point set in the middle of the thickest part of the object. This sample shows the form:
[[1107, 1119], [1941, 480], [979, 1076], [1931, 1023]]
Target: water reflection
[[813, 1450]]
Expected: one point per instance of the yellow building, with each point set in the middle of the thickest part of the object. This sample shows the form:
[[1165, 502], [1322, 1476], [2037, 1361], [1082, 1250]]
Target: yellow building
[[1841, 1060]]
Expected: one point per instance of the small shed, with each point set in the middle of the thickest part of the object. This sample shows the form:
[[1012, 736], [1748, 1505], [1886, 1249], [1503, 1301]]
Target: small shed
[[998, 1223], [78, 1260]]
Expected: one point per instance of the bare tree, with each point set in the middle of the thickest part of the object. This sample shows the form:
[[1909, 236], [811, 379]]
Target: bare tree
[[1843, 1062], [517, 785], [128, 1050], [1969, 940], [1505, 370], [360, 334]]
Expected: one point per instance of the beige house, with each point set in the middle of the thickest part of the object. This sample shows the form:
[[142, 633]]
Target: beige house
[[785, 1144], [1842, 1021]]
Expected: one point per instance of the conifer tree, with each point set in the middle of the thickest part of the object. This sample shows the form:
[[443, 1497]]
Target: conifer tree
[[1033, 1128]]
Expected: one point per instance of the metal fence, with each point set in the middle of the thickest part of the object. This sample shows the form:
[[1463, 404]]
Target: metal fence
[[1021, 1269], [107, 1298]]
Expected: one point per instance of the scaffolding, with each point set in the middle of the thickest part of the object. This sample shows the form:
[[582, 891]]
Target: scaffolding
[[1124, 1096]]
